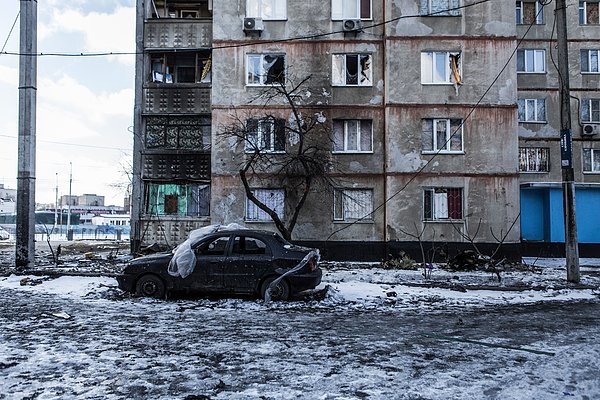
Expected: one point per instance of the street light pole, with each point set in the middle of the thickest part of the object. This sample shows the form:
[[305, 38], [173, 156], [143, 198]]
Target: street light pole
[[566, 145], [69, 202]]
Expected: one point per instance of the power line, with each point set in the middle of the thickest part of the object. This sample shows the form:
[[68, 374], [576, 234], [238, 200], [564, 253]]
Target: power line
[[253, 43], [74, 144], [420, 170], [10, 32]]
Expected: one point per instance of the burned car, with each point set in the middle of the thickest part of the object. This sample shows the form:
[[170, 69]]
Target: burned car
[[238, 261]]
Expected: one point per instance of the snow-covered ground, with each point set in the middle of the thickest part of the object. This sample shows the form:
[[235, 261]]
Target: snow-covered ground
[[378, 334]]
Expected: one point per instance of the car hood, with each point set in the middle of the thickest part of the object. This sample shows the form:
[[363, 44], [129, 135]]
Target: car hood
[[152, 258]]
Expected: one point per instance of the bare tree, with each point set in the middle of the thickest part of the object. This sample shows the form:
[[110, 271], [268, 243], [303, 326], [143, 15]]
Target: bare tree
[[293, 152]]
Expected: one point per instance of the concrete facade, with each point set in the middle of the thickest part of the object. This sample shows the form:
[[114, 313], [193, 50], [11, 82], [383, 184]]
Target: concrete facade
[[542, 219], [464, 189]]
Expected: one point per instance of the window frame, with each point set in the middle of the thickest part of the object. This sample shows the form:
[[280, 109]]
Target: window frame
[[258, 214], [447, 136], [526, 163], [432, 212], [338, 11], [594, 154], [524, 52], [263, 77], [260, 5], [539, 13], [344, 69], [434, 62], [589, 53], [426, 8], [359, 136], [526, 105], [340, 212], [276, 128], [593, 106], [583, 13]]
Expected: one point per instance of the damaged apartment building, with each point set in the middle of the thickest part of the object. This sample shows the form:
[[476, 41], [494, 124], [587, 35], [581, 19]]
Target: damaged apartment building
[[423, 146]]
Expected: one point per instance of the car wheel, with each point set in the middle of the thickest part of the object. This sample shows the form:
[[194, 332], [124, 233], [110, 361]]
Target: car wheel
[[281, 291], [150, 286]]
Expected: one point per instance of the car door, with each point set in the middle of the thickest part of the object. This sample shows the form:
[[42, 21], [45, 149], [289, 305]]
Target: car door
[[211, 257], [250, 257]]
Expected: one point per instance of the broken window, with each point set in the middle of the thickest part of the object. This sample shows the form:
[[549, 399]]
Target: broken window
[[243, 245], [267, 9], [265, 135], [441, 67], [351, 70], [589, 60], [532, 110], [181, 9], [265, 69], [191, 200], [272, 198], [181, 67], [529, 12], [534, 159], [442, 135], [352, 204], [590, 110], [434, 8], [191, 133], [350, 9], [589, 13], [591, 160], [529, 60], [442, 204], [352, 135]]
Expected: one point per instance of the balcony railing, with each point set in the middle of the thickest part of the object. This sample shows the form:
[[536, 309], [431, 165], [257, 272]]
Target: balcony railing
[[176, 165], [176, 99], [177, 34]]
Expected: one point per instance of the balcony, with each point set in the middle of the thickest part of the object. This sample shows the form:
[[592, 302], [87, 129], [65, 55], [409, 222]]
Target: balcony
[[176, 165], [176, 99], [167, 33]]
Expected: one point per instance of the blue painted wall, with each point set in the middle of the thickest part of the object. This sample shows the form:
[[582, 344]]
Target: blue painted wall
[[542, 216]]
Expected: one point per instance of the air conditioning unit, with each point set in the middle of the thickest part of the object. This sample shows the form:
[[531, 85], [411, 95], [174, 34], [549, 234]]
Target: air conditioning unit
[[590, 129], [253, 25], [352, 25]]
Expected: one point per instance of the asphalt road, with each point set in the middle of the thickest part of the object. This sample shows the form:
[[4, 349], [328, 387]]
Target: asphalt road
[[114, 347]]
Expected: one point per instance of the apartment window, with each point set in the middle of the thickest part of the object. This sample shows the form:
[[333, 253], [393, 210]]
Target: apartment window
[[265, 69], [267, 9], [589, 61], [352, 204], [178, 133], [181, 9], [442, 8], [180, 67], [190, 200], [350, 9], [351, 70], [534, 159], [265, 135], [591, 160], [532, 110], [440, 67], [590, 110], [531, 61], [272, 198], [442, 135], [353, 136], [589, 13], [442, 204], [529, 12]]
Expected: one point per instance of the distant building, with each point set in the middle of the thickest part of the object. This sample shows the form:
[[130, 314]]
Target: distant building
[[7, 194], [90, 200], [111, 219], [7, 206], [66, 200]]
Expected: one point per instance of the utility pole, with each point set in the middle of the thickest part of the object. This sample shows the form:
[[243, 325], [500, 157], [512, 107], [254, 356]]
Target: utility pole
[[56, 204], [25, 222], [566, 145], [69, 203]]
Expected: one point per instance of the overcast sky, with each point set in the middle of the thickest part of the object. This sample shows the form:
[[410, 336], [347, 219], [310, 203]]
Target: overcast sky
[[84, 104]]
